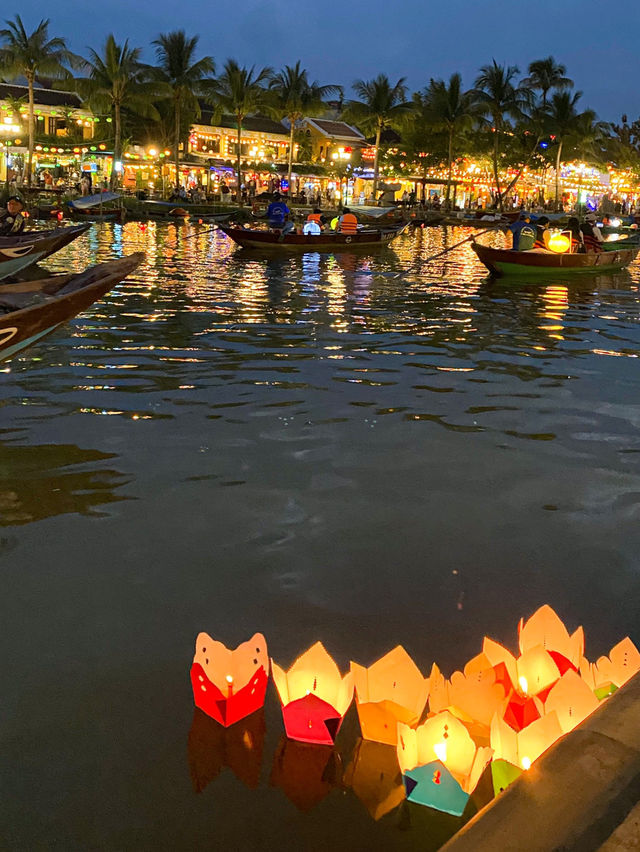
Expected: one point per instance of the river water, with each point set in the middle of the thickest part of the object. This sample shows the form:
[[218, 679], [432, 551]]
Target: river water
[[308, 447]]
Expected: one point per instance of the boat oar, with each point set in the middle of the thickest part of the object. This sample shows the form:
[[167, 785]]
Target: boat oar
[[421, 262], [193, 236]]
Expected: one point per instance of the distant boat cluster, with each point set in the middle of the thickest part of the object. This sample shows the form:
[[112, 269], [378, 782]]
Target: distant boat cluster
[[502, 710]]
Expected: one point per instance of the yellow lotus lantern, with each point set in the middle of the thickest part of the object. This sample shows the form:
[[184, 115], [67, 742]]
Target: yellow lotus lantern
[[474, 696], [314, 696], [392, 690], [514, 752], [572, 700], [558, 242], [610, 673], [545, 628], [440, 763], [374, 777], [531, 673]]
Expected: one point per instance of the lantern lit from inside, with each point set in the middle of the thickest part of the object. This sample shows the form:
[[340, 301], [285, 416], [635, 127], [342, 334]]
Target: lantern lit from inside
[[559, 243], [314, 696], [440, 763], [229, 684], [532, 672], [514, 752], [572, 700], [392, 690], [474, 696], [546, 628], [610, 673]]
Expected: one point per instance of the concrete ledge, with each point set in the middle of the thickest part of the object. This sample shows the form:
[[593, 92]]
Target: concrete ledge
[[575, 796]]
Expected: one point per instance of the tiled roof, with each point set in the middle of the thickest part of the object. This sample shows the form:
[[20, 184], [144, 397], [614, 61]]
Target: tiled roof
[[255, 123], [42, 97], [335, 129]]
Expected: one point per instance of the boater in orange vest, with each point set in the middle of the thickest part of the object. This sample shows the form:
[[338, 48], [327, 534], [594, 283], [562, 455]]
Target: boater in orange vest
[[348, 222], [316, 216]]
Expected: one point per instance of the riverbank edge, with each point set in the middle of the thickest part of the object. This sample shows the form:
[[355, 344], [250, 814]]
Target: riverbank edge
[[575, 796]]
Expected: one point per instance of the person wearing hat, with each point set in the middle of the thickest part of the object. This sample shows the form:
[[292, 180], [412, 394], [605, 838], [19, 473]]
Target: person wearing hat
[[591, 234], [524, 234], [11, 218]]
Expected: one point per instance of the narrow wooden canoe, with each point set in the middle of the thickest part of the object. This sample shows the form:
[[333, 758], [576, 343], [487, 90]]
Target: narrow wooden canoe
[[18, 252], [326, 241], [543, 263], [32, 309]]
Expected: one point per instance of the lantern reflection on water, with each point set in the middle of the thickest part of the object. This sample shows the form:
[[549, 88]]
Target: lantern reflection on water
[[314, 696], [212, 747], [229, 685], [440, 763], [392, 690], [374, 776], [305, 773]]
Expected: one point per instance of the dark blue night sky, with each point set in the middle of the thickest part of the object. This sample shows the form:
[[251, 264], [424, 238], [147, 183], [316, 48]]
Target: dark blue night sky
[[340, 40]]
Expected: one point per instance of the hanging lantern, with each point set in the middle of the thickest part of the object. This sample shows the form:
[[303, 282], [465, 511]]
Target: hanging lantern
[[314, 696], [392, 690], [229, 685], [440, 763], [375, 778], [514, 752]]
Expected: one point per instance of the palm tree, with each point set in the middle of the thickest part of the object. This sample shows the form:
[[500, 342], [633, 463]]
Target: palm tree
[[498, 97], [240, 91], [29, 55], [116, 80], [450, 109], [295, 97], [562, 121], [546, 74], [381, 105], [187, 78]]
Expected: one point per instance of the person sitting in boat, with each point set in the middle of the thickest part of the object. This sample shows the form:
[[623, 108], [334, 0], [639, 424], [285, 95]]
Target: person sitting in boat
[[277, 212], [11, 219], [542, 233], [348, 222], [524, 233], [312, 227], [577, 242], [288, 226], [591, 235], [316, 217]]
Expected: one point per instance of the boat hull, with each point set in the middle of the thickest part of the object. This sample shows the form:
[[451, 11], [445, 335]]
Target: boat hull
[[19, 252], [70, 295], [544, 264], [324, 242]]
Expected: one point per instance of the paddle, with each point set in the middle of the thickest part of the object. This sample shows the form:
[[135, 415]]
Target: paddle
[[421, 262]]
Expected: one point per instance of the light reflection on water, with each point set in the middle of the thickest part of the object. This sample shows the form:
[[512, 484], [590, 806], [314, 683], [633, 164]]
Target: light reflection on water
[[308, 447]]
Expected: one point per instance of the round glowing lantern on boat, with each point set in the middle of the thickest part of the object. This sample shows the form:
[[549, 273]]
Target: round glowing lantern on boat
[[559, 243]]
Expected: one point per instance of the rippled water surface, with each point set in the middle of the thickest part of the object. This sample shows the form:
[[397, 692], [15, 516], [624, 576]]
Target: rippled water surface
[[308, 447]]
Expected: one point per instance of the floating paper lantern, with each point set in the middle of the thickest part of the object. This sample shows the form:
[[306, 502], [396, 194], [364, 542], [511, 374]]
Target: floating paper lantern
[[440, 763], [375, 778], [212, 747], [314, 696], [545, 628], [610, 673], [533, 672], [521, 711], [229, 685], [392, 690], [572, 700], [474, 696], [514, 752], [306, 773]]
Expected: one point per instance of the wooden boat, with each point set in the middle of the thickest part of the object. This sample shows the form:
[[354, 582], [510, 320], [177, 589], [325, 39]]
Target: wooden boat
[[545, 263], [326, 241], [30, 310], [22, 250]]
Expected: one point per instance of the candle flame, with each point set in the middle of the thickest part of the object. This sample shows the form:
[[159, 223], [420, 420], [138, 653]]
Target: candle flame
[[229, 679], [526, 763], [441, 751], [524, 684]]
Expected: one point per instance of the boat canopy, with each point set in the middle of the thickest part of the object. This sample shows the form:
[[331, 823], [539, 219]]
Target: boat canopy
[[88, 201]]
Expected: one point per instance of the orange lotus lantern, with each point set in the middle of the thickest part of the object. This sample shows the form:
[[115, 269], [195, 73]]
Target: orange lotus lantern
[[474, 696], [229, 685], [545, 628], [440, 763], [572, 700], [610, 673], [514, 752], [392, 690], [374, 777], [314, 696], [531, 673]]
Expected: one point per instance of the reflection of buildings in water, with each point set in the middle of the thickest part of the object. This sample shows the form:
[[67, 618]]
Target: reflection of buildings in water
[[212, 747], [375, 778], [36, 483], [306, 773]]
